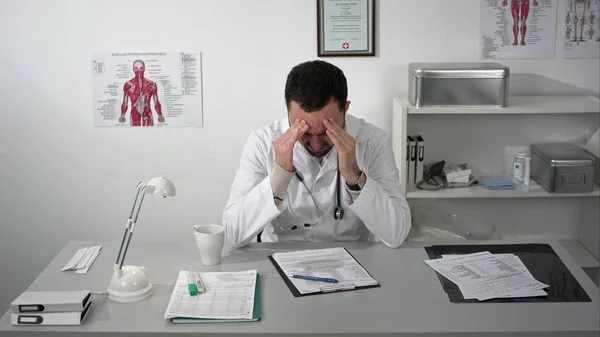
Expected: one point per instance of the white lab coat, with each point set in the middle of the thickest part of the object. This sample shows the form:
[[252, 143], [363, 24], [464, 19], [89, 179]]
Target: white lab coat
[[380, 211]]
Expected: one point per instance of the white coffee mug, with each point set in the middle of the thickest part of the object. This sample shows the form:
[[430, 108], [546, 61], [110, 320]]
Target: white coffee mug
[[209, 240]]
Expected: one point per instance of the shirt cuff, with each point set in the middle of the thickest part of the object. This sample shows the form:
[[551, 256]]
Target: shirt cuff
[[280, 179], [361, 183], [353, 194]]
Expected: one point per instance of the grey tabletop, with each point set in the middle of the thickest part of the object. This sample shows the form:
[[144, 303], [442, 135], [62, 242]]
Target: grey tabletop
[[410, 301]]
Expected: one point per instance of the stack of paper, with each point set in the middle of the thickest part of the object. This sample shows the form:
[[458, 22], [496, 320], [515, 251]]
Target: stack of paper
[[227, 297], [484, 276], [83, 259]]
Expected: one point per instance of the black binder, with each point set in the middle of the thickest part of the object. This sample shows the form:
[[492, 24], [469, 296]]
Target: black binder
[[541, 261]]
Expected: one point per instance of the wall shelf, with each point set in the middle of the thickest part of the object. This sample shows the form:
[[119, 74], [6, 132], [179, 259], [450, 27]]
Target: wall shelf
[[479, 136], [519, 105], [523, 105], [533, 191]]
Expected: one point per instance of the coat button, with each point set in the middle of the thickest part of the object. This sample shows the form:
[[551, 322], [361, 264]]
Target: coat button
[[294, 227], [306, 225]]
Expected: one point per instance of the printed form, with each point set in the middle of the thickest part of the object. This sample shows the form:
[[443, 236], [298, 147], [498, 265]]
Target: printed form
[[334, 263], [228, 295], [484, 276]]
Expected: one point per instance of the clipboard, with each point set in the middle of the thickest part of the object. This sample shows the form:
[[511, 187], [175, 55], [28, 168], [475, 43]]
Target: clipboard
[[324, 289]]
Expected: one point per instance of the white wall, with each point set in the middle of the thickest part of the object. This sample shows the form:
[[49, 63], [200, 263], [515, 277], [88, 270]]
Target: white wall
[[66, 180]]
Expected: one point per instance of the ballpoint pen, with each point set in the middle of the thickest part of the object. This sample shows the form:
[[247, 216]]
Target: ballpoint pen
[[314, 278]]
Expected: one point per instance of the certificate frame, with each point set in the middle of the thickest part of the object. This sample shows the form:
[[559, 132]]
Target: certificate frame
[[341, 43]]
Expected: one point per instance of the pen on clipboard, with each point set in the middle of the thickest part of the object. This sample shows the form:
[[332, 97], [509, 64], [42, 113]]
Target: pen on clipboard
[[314, 278]]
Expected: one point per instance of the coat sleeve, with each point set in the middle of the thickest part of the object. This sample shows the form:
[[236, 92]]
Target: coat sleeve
[[382, 204], [250, 206]]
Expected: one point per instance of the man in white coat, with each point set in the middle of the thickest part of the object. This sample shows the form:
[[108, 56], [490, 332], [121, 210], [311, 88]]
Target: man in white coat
[[318, 175]]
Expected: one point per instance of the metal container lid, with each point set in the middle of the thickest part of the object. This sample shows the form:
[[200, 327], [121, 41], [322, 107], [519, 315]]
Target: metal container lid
[[563, 154], [459, 70]]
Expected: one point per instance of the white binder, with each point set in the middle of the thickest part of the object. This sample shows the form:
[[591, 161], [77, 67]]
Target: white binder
[[420, 157], [410, 164], [50, 318], [51, 301]]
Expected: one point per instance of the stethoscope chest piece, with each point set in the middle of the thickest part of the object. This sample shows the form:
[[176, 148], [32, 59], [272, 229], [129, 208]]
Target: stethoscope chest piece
[[339, 213]]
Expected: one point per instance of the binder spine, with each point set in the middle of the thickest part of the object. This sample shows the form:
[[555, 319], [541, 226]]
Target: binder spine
[[410, 165], [30, 319], [420, 157], [31, 308]]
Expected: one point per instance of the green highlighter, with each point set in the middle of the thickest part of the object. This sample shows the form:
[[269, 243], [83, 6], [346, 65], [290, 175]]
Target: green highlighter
[[190, 278]]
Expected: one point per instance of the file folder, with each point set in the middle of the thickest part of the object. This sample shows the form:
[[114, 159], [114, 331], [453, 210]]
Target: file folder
[[51, 301], [256, 313], [50, 318], [226, 299]]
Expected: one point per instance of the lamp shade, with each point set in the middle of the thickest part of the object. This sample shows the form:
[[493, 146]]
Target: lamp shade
[[161, 186]]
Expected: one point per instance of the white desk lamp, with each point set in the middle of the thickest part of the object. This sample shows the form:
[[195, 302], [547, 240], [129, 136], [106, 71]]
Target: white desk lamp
[[131, 283]]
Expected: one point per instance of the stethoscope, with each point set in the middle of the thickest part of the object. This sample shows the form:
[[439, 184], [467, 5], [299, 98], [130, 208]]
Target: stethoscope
[[338, 213]]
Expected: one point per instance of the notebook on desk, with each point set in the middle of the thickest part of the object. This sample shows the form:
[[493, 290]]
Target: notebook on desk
[[331, 263], [541, 261], [228, 297]]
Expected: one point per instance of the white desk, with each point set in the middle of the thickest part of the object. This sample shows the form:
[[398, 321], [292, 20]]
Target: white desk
[[410, 302]]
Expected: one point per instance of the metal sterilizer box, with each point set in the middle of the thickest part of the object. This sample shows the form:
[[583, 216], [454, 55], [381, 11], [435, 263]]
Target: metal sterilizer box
[[457, 84], [562, 167]]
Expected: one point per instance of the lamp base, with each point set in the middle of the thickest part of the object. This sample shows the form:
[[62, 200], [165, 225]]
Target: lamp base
[[129, 284]]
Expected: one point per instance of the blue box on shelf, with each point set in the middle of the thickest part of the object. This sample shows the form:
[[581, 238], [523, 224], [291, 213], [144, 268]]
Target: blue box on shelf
[[497, 183]]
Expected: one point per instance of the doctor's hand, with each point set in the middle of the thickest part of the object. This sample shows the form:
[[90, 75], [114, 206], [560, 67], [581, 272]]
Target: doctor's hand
[[346, 146], [284, 145]]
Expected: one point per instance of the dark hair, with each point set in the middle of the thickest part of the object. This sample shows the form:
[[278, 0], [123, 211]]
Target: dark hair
[[312, 84]]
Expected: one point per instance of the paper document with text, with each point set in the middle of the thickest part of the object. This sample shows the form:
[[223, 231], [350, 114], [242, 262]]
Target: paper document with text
[[484, 276], [227, 295], [334, 263]]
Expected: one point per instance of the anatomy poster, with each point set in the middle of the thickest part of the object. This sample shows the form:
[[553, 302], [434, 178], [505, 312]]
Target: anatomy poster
[[580, 28], [147, 89], [517, 29]]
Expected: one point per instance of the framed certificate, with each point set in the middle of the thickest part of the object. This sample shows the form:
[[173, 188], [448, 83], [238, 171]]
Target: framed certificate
[[346, 27]]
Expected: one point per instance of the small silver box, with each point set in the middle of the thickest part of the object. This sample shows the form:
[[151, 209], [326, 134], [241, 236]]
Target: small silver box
[[562, 167], [452, 84]]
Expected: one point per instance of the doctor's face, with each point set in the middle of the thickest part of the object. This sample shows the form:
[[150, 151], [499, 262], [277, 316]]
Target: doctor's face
[[315, 140]]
